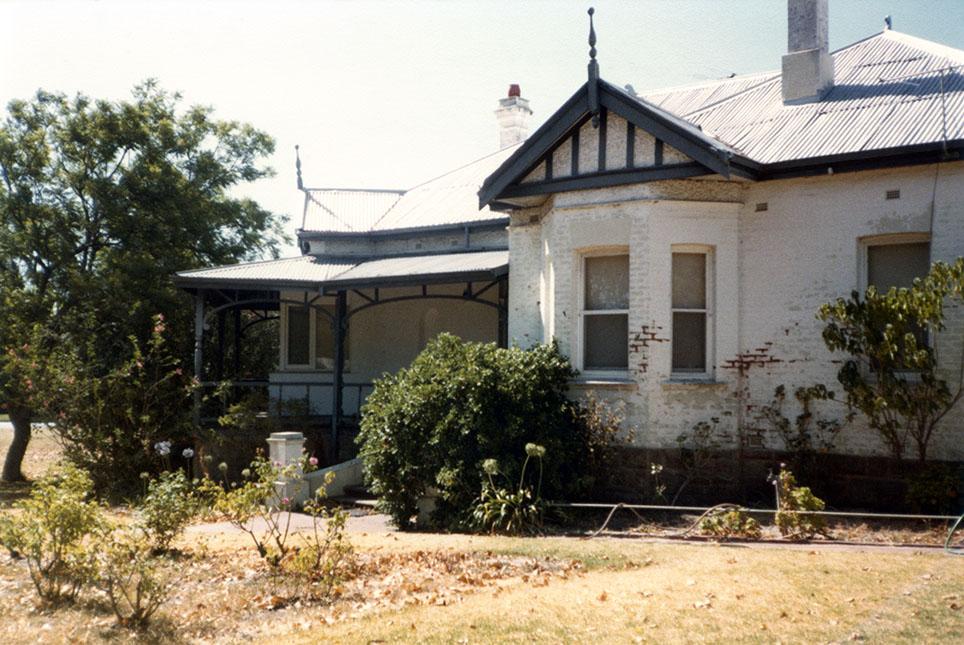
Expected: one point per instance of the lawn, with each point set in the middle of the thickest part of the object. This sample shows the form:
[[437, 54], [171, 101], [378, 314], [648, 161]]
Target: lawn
[[445, 588]]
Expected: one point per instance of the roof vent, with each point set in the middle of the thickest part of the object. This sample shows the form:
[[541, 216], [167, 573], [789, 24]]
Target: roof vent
[[513, 115], [808, 65]]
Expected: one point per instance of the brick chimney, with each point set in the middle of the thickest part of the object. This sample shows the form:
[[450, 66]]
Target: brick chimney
[[808, 66], [513, 115]]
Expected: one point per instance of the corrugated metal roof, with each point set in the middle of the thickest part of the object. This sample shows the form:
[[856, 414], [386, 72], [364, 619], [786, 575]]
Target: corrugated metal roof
[[305, 269], [310, 271], [449, 199], [424, 267], [887, 93], [346, 210]]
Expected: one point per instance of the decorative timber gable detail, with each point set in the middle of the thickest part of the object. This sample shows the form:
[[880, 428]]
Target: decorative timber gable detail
[[633, 142]]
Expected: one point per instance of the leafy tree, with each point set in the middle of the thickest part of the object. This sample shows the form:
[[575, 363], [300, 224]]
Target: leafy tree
[[100, 202], [891, 376]]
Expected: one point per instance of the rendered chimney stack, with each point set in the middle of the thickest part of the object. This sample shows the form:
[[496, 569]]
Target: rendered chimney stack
[[513, 115], [808, 66]]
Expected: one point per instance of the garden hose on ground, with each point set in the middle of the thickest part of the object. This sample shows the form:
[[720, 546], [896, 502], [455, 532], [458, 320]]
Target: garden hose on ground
[[950, 534]]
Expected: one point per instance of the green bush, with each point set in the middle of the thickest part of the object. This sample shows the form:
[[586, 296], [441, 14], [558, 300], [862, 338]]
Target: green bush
[[111, 423], [726, 523], [54, 531], [793, 498], [431, 425], [933, 489], [167, 508]]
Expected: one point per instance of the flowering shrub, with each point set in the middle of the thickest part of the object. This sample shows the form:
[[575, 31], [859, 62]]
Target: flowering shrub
[[129, 576], [169, 505], [513, 511], [118, 424], [324, 559], [54, 531]]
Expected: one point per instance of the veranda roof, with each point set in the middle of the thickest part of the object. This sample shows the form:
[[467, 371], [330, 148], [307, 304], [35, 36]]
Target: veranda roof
[[310, 272]]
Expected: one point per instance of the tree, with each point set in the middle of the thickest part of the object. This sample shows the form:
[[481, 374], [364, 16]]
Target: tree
[[893, 375], [100, 202]]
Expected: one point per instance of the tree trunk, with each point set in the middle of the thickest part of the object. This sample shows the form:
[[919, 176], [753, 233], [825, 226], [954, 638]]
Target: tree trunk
[[18, 447]]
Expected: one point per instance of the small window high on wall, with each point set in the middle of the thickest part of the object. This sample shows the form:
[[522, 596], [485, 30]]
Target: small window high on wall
[[691, 299], [605, 313]]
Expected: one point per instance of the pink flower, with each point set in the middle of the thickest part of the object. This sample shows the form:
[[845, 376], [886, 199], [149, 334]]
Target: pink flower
[[313, 461], [285, 501]]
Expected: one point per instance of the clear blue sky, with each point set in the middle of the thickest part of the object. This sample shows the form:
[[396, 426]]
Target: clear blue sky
[[388, 94]]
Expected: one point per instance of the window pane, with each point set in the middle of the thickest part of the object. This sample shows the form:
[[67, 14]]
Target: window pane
[[607, 282], [325, 341], [298, 330], [896, 265], [689, 342], [689, 281], [606, 341]]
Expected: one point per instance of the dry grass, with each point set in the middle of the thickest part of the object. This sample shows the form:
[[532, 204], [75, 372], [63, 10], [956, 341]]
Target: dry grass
[[437, 588], [454, 588]]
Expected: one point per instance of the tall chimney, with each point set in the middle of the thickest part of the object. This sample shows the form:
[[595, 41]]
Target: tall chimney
[[808, 66], [513, 115]]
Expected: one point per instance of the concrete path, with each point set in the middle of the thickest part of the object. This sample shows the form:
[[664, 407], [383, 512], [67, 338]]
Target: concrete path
[[359, 521]]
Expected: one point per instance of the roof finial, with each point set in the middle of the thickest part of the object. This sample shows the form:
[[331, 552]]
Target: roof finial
[[298, 168], [593, 73], [888, 23]]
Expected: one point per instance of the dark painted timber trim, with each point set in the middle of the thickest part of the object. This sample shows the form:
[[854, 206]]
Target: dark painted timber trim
[[574, 153], [549, 166], [603, 118], [630, 144], [606, 179], [865, 160], [541, 141], [333, 286], [658, 152]]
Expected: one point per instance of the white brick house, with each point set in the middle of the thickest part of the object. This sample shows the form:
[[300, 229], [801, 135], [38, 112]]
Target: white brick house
[[678, 243]]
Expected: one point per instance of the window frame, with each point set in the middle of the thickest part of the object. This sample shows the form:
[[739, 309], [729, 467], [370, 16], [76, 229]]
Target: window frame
[[708, 310], [314, 319], [580, 345]]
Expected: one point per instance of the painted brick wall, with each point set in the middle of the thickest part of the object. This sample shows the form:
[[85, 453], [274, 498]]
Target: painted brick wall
[[773, 269]]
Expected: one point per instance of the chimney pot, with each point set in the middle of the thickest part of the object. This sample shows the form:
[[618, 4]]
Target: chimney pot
[[513, 115]]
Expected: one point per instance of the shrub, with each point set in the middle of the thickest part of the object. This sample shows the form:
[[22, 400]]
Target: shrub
[[129, 575], [797, 498], [726, 523], [431, 425], [109, 422], [325, 558], [933, 489], [167, 508], [892, 373], [512, 511], [54, 531]]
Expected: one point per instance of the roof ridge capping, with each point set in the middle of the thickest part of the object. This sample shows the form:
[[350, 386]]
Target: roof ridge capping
[[929, 46]]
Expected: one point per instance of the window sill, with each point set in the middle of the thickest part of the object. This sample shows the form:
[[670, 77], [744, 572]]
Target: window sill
[[692, 384], [604, 382]]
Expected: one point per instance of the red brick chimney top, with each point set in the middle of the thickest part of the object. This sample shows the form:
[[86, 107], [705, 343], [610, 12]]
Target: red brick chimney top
[[514, 90]]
